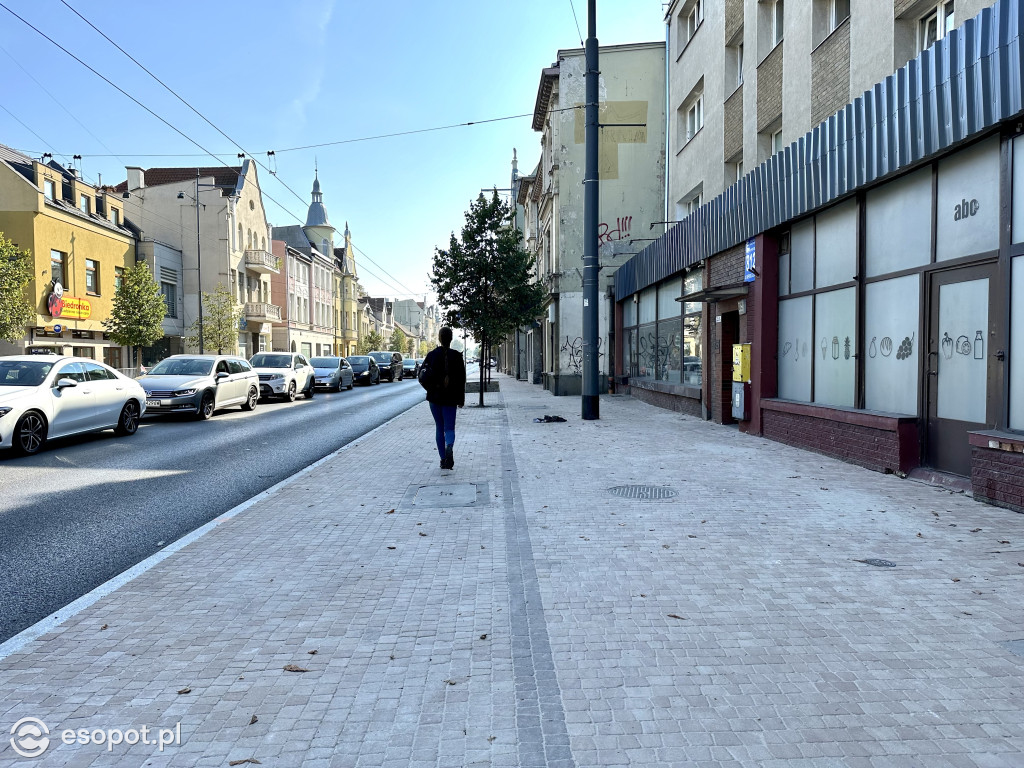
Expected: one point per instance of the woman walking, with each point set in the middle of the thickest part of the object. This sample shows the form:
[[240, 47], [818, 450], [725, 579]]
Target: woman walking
[[446, 391]]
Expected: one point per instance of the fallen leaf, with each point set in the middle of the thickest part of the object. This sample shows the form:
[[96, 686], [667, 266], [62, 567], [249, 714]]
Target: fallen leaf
[[642, 595], [103, 627], [389, 512], [184, 690], [422, 533], [254, 720], [956, 579], [935, 513], [1004, 542], [674, 616], [392, 547], [450, 682], [252, 760], [313, 652], [483, 636], [294, 668], [975, 530], [920, 536], [491, 738], [665, 546], [690, 536]]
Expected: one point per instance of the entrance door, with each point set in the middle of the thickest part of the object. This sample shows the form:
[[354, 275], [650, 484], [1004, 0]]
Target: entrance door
[[961, 370], [728, 334]]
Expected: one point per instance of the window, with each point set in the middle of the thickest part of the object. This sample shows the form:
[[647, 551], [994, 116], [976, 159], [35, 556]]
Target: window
[[737, 57], [248, 239], [839, 11], [694, 18], [170, 294], [263, 243], [239, 246], [115, 217], [92, 270], [695, 117], [935, 24], [777, 141], [49, 189], [83, 203], [57, 262], [118, 279], [777, 22]]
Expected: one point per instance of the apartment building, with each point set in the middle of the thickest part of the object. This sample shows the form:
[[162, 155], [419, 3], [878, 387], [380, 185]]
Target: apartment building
[[80, 244], [868, 261]]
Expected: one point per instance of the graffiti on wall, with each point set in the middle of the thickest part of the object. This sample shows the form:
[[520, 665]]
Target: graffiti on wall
[[575, 349], [605, 233]]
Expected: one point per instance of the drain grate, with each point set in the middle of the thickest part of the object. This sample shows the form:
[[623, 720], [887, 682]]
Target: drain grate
[[644, 492], [878, 563]]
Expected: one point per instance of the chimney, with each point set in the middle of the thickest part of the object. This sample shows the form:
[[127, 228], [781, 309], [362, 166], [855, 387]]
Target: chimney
[[136, 177]]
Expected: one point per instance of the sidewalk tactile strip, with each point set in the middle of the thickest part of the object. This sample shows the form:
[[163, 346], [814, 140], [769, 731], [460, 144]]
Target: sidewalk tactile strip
[[540, 717]]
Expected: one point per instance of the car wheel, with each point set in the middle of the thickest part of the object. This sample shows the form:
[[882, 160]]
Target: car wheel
[[251, 400], [351, 384], [290, 396], [29, 433], [338, 387], [309, 390], [128, 424], [206, 407]]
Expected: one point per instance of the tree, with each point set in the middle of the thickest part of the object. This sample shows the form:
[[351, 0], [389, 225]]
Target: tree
[[423, 349], [370, 341], [398, 341], [136, 319], [484, 278], [16, 311], [221, 314]]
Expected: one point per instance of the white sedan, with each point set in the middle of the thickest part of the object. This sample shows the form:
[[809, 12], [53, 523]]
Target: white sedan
[[48, 396]]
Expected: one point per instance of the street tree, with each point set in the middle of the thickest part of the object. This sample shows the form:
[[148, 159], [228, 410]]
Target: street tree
[[424, 348], [369, 342], [16, 310], [484, 278], [136, 319], [221, 314], [399, 341]]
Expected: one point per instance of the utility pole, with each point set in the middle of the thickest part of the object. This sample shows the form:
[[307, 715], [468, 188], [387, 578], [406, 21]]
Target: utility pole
[[199, 266], [590, 403]]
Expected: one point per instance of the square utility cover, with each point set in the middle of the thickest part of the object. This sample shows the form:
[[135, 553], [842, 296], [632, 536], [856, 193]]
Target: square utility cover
[[445, 495]]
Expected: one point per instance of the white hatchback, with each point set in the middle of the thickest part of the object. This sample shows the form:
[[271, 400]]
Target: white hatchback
[[48, 396]]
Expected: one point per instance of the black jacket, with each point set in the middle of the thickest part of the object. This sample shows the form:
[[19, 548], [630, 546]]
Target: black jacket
[[455, 392]]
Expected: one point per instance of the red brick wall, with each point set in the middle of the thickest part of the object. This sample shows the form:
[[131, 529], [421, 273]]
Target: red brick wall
[[867, 446], [998, 477]]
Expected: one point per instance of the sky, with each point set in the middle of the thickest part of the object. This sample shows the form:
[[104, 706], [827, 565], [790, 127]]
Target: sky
[[287, 76]]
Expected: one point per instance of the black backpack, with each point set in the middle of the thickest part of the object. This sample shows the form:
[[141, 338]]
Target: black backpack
[[426, 377]]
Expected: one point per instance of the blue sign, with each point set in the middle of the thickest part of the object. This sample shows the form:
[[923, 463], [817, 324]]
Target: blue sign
[[750, 268], [58, 328]]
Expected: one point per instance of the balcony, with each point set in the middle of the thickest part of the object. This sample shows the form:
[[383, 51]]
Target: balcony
[[262, 262], [258, 312]]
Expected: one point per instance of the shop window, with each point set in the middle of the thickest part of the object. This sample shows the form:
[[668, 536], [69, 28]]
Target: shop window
[[795, 349], [1017, 345], [835, 329], [629, 308], [1018, 190], [835, 245], [92, 279], [692, 343], [670, 326], [647, 338], [891, 318], [968, 202], [899, 224], [963, 312], [799, 263]]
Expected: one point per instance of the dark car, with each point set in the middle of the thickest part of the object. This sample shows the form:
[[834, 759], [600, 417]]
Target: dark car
[[364, 370], [332, 373], [390, 364], [410, 367]]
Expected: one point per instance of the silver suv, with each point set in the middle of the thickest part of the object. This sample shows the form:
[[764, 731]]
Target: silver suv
[[284, 375], [200, 384]]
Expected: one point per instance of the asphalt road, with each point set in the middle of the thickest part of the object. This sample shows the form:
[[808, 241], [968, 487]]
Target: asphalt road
[[87, 508]]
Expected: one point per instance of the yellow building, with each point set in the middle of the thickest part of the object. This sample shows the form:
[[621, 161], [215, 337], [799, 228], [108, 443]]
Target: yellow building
[[346, 298], [77, 236]]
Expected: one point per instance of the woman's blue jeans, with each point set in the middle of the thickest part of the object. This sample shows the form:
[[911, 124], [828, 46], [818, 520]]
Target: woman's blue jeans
[[444, 420]]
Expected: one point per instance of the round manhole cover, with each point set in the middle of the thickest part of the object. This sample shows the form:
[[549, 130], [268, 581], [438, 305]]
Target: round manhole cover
[[644, 492]]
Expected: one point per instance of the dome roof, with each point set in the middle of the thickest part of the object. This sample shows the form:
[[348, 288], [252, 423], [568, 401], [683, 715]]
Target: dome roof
[[317, 215]]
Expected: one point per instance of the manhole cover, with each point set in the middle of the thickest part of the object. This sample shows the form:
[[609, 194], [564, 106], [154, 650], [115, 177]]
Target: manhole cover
[[644, 492], [878, 563], [445, 495]]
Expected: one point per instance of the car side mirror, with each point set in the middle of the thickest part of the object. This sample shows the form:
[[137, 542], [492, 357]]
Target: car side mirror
[[62, 383], [221, 375]]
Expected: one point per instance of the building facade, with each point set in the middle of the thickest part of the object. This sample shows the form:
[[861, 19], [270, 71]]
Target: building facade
[[167, 267], [80, 244], [347, 291], [873, 267], [215, 218], [631, 160]]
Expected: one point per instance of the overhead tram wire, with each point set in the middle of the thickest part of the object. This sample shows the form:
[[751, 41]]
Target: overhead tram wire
[[578, 32], [399, 282], [184, 101], [121, 90]]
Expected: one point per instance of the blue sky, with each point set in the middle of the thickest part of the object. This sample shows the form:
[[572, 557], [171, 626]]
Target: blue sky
[[281, 76]]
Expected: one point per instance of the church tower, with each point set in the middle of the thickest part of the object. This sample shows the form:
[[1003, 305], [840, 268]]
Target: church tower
[[318, 228]]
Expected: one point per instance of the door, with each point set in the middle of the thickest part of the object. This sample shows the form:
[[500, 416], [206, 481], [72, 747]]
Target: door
[[74, 408], [226, 388], [108, 393], [961, 371]]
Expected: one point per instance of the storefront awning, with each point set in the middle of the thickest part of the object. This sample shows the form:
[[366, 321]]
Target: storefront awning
[[718, 293]]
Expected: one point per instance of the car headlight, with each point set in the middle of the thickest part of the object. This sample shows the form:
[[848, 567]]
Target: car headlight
[[277, 377], [4, 410], [184, 392]]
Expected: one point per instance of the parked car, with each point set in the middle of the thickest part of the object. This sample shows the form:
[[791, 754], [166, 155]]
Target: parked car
[[200, 384], [364, 369], [284, 375], [410, 367], [390, 364], [48, 396], [332, 372]]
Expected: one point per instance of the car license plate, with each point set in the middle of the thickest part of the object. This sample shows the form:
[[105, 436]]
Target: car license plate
[[152, 403]]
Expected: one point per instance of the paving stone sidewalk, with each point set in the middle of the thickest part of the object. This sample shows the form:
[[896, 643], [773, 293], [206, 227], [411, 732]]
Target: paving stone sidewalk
[[517, 612]]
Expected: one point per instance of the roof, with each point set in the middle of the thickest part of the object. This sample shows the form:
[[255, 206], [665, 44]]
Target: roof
[[223, 176], [548, 77]]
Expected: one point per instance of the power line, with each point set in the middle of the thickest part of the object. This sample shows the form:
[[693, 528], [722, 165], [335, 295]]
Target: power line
[[578, 32], [399, 282]]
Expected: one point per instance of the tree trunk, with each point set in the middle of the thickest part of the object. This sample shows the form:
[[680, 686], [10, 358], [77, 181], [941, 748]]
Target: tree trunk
[[482, 345]]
